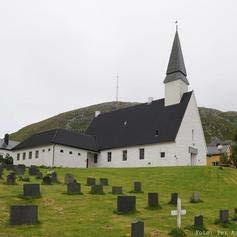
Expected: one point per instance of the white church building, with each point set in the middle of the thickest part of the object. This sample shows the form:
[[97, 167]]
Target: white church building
[[164, 132]]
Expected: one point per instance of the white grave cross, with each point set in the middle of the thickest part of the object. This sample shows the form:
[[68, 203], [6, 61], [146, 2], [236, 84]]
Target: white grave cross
[[179, 213]]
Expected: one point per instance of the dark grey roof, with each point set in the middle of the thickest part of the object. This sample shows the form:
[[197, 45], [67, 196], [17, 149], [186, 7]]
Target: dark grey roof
[[137, 125], [176, 67], [213, 150], [4, 146], [62, 137]]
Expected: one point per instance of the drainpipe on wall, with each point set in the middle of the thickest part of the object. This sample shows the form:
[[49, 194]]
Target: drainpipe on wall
[[53, 154]]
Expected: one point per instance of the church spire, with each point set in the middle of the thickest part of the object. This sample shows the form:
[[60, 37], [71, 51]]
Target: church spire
[[176, 68]]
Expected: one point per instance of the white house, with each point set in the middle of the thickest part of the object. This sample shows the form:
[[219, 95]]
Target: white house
[[164, 132], [6, 146]]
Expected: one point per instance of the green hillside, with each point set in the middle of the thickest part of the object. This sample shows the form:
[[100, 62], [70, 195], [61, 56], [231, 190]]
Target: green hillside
[[93, 215], [217, 124]]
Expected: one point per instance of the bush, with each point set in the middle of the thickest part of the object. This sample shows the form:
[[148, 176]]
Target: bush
[[177, 233]]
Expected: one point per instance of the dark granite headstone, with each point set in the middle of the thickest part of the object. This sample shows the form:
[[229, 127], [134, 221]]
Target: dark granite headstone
[[198, 221], [174, 198], [10, 167], [39, 175], [31, 190], [137, 229], [20, 169], [47, 180], [54, 177], [33, 170], [224, 216], [1, 171], [126, 204], [137, 187], [90, 181], [11, 179], [104, 181], [117, 190], [23, 215], [73, 188], [69, 178], [153, 200], [97, 189]]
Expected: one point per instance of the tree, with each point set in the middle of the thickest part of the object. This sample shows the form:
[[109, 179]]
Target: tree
[[8, 159], [224, 159], [234, 154]]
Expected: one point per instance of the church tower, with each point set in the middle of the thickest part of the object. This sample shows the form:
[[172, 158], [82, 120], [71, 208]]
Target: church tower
[[176, 83]]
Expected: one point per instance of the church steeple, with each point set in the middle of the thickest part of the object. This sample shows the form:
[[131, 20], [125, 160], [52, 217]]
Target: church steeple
[[176, 83], [176, 68]]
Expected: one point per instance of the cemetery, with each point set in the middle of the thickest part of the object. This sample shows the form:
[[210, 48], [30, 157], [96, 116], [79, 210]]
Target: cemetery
[[192, 199]]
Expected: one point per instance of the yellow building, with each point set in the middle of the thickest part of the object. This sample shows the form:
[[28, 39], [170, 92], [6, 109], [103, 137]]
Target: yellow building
[[214, 154]]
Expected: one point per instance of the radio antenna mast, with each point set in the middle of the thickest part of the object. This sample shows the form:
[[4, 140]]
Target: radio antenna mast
[[117, 89]]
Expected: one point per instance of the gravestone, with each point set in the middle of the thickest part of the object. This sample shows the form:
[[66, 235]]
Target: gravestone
[[10, 167], [117, 190], [137, 187], [178, 213], [31, 190], [69, 178], [97, 189], [23, 215], [33, 170], [20, 169], [195, 197], [104, 181], [54, 177], [198, 221], [153, 200], [47, 180], [224, 216], [90, 181], [1, 171], [126, 204], [74, 188], [39, 175], [11, 179], [174, 198], [137, 229]]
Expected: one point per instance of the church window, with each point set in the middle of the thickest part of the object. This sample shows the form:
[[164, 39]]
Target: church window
[[125, 155], [36, 154], [162, 154], [79, 153], [141, 154], [70, 152], [49, 149], [109, 156], [43, 150], [61, 151], [192, 134], [18, 156], [157, 133], [30, 155], [24, 156]]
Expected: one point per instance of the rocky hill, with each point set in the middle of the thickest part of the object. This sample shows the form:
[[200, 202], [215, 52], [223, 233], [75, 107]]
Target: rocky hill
[[216, 124]]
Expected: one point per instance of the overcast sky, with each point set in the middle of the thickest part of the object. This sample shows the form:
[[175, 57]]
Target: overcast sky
[[59, 55]]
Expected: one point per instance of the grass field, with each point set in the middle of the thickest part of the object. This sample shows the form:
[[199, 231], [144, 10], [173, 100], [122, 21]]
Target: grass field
[[92, 215]]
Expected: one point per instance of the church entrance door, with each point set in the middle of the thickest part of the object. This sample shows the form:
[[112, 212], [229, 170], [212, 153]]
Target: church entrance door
[[193, 159]]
